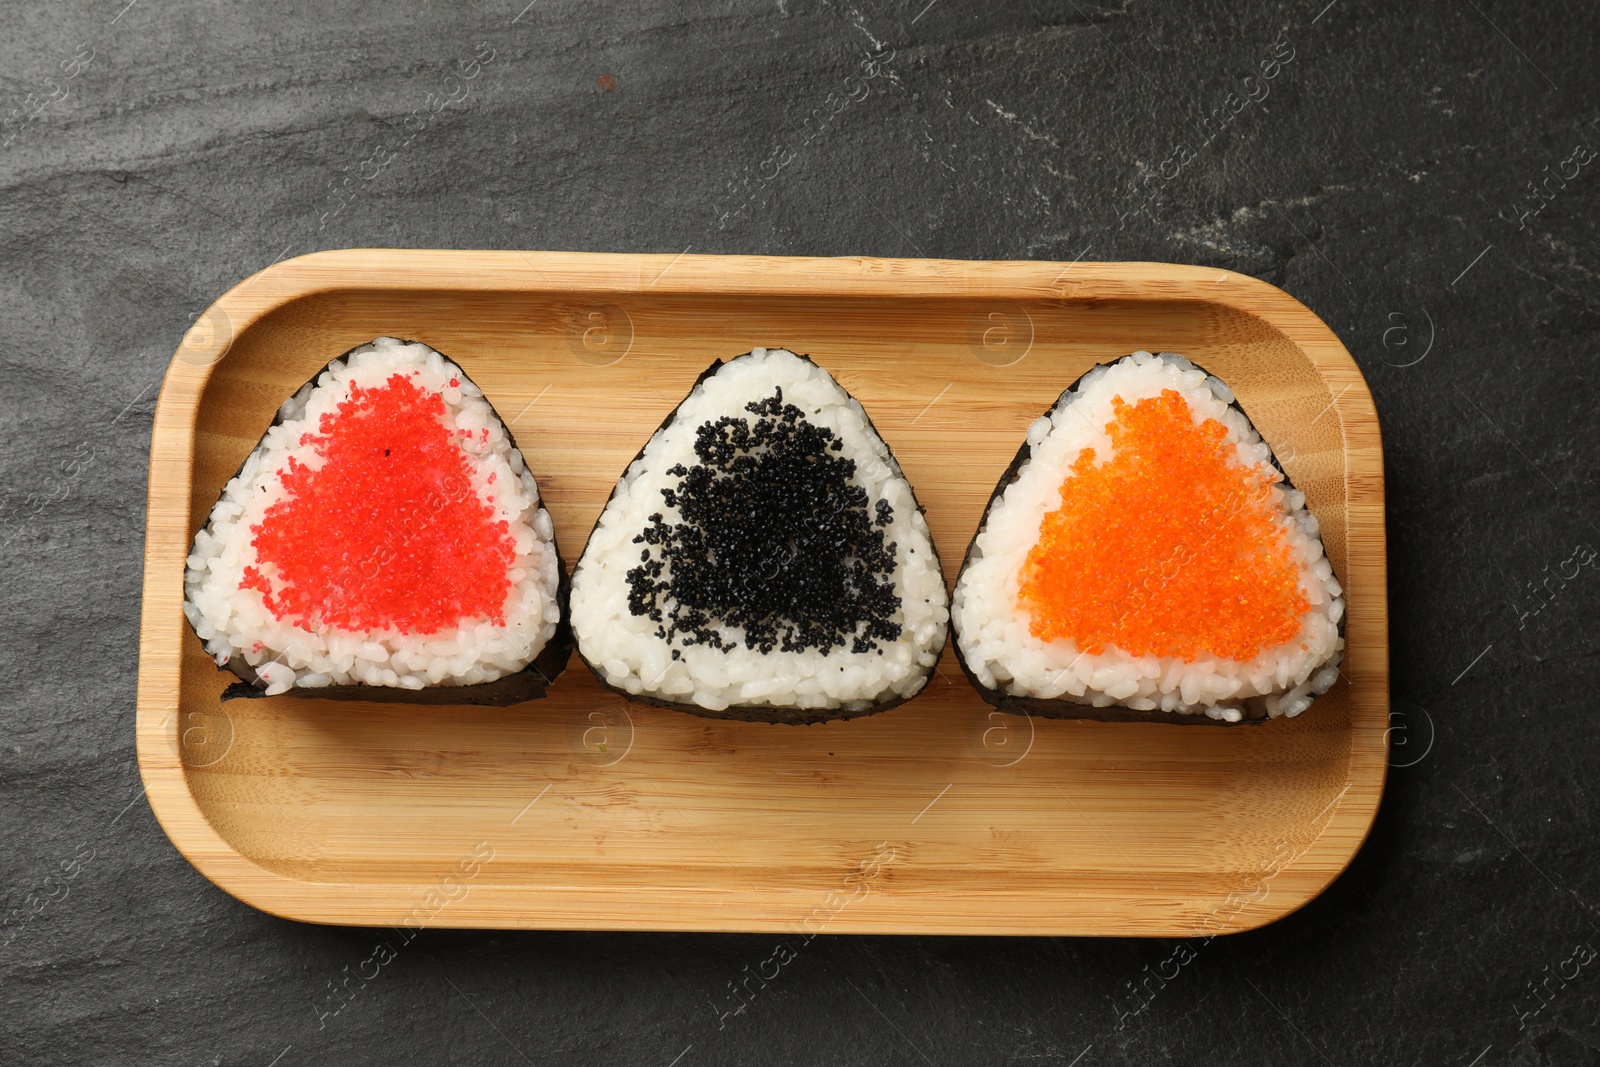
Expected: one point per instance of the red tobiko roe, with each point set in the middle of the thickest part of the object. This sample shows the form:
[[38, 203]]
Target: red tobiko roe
[[389, 531]]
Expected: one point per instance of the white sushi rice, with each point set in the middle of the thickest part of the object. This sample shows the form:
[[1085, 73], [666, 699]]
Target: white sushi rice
[[625, 648], [236, 622], [991, 626]]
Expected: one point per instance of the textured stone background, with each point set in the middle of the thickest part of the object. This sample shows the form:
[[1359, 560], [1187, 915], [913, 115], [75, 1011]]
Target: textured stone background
[[155, 154]]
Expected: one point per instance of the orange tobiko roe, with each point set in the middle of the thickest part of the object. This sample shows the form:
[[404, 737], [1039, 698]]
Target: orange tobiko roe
[[1171, 547], [388, 531]]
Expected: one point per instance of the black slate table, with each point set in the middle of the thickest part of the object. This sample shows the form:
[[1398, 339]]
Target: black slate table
[[1423, 176]]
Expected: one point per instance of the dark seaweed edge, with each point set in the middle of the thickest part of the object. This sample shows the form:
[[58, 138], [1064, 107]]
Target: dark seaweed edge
[[530, 683], [1067, 707], [766, 713]]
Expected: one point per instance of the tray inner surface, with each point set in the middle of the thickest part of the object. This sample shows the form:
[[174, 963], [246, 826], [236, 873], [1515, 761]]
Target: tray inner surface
[[1002, 817]]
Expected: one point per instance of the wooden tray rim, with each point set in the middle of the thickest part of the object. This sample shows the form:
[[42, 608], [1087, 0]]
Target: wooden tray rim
[[490, 906]]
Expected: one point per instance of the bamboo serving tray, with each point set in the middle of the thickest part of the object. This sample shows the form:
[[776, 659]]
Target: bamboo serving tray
[[581, 811]]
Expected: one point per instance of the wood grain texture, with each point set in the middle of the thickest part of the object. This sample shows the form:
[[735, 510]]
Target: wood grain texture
[[580, 811]]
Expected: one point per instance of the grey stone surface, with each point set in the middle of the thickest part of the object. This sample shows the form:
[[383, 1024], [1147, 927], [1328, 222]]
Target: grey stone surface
[[1383, 180]]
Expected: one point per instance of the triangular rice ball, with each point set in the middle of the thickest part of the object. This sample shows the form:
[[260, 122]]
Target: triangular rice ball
[[384, 541], [763, 558], [1145, 552]]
